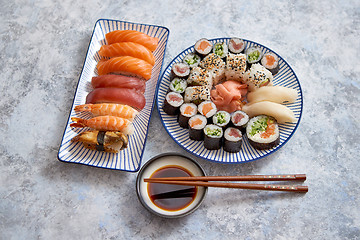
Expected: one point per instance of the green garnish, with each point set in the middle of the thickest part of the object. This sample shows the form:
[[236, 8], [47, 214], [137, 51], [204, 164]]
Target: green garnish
[[220, 118], [253, 56], [219, 50], [213, 132], [177, 86], [259, 126], [192, 60]]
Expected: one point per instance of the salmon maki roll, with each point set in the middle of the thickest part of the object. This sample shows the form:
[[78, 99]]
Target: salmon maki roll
[[132, 36], [125, 65], [127, 49]]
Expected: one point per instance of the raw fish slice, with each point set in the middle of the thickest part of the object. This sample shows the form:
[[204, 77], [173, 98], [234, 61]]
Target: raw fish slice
[[132, 36], [111, 109], [118, 81], [125, 96], [105, 123], [125, 65], [127, 49]]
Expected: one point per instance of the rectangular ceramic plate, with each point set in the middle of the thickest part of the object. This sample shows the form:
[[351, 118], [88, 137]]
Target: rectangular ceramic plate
[[128, 159]]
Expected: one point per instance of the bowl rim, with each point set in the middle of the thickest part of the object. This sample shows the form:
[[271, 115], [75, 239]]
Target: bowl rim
[[153, 159]]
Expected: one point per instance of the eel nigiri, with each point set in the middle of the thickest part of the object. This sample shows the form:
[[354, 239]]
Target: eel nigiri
[[105, 123], [125, 65], [111, 109], [127, 49], [108, 141], [125, 96], [118, 81], [132, 36]]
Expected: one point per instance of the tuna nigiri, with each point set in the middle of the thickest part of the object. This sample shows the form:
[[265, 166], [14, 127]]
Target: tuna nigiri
[[118, 81], [125, 96], [132, 36], [111, 109], [105, 123], [125, 65], [127, 49]]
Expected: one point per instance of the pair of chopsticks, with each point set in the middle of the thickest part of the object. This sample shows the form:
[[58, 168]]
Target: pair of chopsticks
[[206, 182]]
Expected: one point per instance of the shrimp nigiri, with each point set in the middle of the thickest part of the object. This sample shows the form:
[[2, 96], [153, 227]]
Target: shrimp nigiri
[[111, 109], [105, 123], [132, 36]]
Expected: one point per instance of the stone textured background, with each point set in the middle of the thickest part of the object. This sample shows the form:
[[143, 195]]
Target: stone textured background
[[43, 46]]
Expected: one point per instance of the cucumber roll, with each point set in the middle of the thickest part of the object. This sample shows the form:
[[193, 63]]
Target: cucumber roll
[[253, 54], [203, 47], [173, 101], [187, 110], [236, 45], [239, 119], [196, 127], [178, 85], [220, 49], [180, 70], [232, 140], [263, 132], [271, 62], [213, 137], [192, 60], [221, 118]]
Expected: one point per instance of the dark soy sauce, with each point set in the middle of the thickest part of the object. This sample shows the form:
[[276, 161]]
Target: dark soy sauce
[[171, 197]]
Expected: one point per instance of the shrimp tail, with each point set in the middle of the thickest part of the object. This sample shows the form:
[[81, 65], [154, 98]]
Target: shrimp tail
[[83, 108], [78, 122]]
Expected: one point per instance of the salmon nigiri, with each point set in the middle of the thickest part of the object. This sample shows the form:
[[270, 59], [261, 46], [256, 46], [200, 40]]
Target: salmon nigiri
[[132, 36], [125, 65], [127, 49]]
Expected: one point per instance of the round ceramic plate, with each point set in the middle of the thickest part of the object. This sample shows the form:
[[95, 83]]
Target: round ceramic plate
[[285, 77]]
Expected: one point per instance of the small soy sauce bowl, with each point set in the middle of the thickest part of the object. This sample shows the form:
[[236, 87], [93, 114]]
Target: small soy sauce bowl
[[166, 200]]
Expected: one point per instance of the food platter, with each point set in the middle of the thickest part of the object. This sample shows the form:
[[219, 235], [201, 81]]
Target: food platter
[[285, 77], [128, 159]]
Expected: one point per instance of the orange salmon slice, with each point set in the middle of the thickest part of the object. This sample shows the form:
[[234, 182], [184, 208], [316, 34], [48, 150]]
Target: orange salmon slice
[[196, 122], [207, 108], [188, 110], [204, 45]]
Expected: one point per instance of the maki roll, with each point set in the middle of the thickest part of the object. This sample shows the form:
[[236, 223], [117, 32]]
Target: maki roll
[[178, 85], [203, 47], [239, 119], [220, 49], [235, 67], [213, 137], [271, 62], [221, 118], [192, 60], [236, 45], [180, 69], [187, 110], [207, 109], [214, 64], [253, 54], [173, 101], [258, 76], [232, 140], [196, 127], [197, 94], [200, 77], [263, 132]]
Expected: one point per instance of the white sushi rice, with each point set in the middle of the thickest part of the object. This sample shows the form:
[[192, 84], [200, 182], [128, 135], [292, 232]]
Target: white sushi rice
[[215, 65], [201, 77], [195, 93], [258, 75], [235, 67]]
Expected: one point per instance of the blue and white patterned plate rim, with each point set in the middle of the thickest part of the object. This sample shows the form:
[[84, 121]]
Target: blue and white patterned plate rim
[[87, 56], [268, 152]]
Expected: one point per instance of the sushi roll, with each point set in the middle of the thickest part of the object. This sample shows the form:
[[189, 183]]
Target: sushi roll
[[221, 118], [220, 49], [196, 127], [235, 67], [187, 110], [203, 47], [200, 77], [197, 94], [236, 45], [178, 85], [212, 137], [180, 70], [271, 62], [232, 140], [207, 109], [263, 132], [192, 60], [253, 54], [172, 103], [258, 76], [239, 119], [214, 64]]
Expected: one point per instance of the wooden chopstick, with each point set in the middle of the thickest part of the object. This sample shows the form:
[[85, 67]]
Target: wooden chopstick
[[284, 177]]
